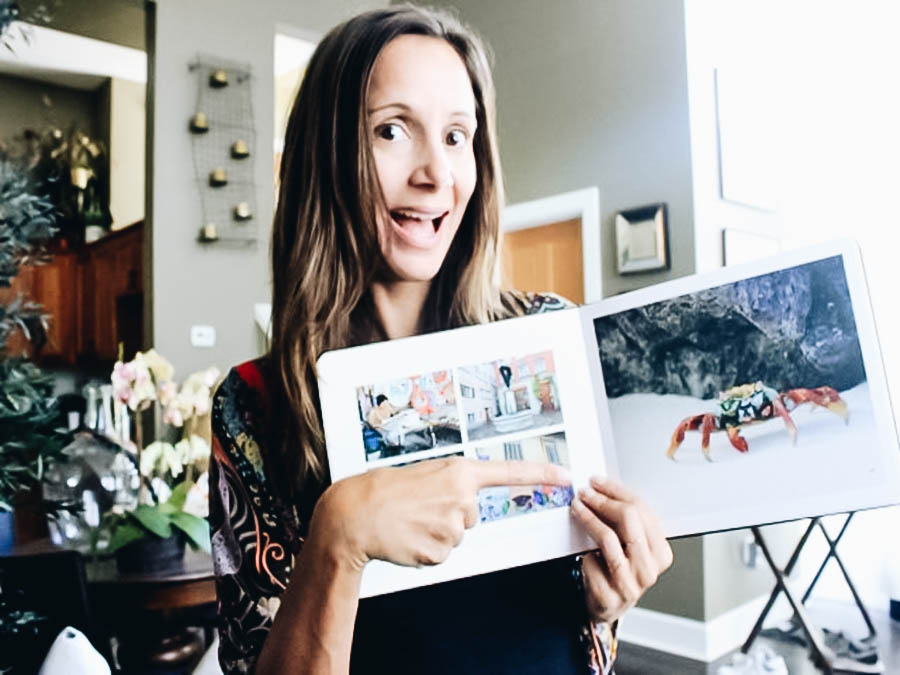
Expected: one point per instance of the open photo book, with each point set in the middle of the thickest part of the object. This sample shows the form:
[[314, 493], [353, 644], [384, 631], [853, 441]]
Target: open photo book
[[751, 395]]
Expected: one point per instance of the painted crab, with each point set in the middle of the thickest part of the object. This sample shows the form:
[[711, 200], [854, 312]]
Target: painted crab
[[749, 403]]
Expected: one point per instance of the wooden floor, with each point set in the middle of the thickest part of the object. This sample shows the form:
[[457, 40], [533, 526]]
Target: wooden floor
[[635, 660]]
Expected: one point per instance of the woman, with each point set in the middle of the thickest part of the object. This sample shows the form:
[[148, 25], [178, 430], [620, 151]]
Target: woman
[[387, 226], [382, 411]]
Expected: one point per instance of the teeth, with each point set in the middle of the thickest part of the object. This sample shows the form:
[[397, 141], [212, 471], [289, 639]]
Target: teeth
[[417, 216]]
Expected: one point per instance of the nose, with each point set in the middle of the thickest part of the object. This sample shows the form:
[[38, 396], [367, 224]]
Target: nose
[[433, 169]]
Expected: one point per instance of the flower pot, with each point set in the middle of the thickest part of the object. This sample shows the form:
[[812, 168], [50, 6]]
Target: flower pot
[[6, 532], [151, 554]]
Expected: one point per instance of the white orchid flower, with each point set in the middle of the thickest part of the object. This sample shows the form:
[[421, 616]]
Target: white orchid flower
[[149, 458], [198, 449], [162, 370], [197, 501], [166, 392], [172, 460]]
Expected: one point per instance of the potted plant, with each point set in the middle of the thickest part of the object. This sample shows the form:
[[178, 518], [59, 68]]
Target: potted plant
[[173, 495], [153, 536], [28, 411]]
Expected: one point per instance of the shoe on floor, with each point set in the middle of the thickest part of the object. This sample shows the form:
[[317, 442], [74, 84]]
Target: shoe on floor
[[760, 661]]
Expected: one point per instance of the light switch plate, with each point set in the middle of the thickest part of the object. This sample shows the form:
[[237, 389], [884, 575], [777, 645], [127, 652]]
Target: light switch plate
[[203, 336]]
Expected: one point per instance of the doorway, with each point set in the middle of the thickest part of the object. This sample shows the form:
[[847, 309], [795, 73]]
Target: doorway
[[553, 244]]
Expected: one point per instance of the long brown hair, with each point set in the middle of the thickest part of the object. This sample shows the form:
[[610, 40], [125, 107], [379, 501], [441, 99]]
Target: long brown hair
[[325, 251]]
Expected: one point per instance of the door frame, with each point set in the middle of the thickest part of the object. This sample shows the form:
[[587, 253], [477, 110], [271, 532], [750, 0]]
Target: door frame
[[583, 204]]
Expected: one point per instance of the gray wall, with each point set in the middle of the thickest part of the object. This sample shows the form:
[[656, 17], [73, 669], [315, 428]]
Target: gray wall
[[594, 93], [214, 284], [117, 21], [727, 582], [680, 590], [24, 108]]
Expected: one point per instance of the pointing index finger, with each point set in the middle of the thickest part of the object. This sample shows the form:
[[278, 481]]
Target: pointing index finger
[[516, 472]]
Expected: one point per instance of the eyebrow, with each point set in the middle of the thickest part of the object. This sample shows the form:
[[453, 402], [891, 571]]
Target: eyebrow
[[406, 108]]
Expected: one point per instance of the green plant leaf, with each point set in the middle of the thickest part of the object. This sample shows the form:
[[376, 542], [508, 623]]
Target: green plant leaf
[[179, 494], [124, 533], [197, 529], [154, 520]]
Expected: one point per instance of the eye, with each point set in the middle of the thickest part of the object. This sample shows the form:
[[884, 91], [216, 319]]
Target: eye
[[457, 137], [390, 132]]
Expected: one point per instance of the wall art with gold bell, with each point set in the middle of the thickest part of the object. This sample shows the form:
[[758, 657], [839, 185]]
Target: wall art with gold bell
[[240, 149], [199, 124], [208, 233], [242, 212], [218, 177], [223, 141], [218, 78]]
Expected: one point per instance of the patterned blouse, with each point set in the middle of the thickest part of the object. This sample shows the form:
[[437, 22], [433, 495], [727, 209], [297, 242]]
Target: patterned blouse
[[529, 619]]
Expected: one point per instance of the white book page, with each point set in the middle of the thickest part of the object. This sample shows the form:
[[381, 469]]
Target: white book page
[[656, 364], [515, 389]]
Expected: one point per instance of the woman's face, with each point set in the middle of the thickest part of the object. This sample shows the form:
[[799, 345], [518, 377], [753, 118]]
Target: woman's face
[[421, 114]]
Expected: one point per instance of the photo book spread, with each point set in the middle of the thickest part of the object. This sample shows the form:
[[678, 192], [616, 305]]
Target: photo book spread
[[751, 395]]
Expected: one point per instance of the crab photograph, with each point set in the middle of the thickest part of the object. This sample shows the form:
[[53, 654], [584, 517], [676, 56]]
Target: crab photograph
[[751, 403], [740, 389]]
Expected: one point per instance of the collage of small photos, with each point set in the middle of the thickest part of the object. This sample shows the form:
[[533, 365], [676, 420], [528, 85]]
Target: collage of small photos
[[504, 409]]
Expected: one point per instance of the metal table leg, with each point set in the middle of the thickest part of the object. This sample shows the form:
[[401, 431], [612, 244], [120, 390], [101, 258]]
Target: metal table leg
[[820, 654], [832, 553]]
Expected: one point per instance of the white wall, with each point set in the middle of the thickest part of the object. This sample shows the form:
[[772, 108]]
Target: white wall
[[829, 72], [736, 38], [127, 144]]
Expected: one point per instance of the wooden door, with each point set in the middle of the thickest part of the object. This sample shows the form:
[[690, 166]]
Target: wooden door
[[545, 258]]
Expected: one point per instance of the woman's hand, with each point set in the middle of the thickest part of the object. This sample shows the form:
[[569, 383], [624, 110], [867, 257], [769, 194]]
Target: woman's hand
[[632, 551], [415, 515]]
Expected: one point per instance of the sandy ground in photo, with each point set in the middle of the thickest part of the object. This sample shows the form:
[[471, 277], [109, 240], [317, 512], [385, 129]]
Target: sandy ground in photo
[[828, 456]]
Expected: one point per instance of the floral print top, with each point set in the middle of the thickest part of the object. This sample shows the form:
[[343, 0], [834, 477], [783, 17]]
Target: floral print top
[[524, 620]]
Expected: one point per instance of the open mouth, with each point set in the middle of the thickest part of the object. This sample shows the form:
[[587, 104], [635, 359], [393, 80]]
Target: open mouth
[[408, 218], [417, 228]]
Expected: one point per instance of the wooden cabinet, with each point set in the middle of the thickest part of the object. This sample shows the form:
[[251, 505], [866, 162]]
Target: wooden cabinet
[[53, 286], [112, 302], [93, 297]]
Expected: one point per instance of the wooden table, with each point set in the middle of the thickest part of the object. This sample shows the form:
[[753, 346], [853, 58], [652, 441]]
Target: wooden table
[[191, 585], [149, 614]]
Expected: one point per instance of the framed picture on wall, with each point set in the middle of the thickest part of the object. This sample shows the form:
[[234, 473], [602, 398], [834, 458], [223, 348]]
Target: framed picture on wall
[[642, 242]]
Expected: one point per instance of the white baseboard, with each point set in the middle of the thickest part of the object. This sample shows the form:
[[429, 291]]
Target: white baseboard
[[698, 640]]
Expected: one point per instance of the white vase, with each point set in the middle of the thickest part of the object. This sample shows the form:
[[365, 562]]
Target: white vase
[[71, 652]]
